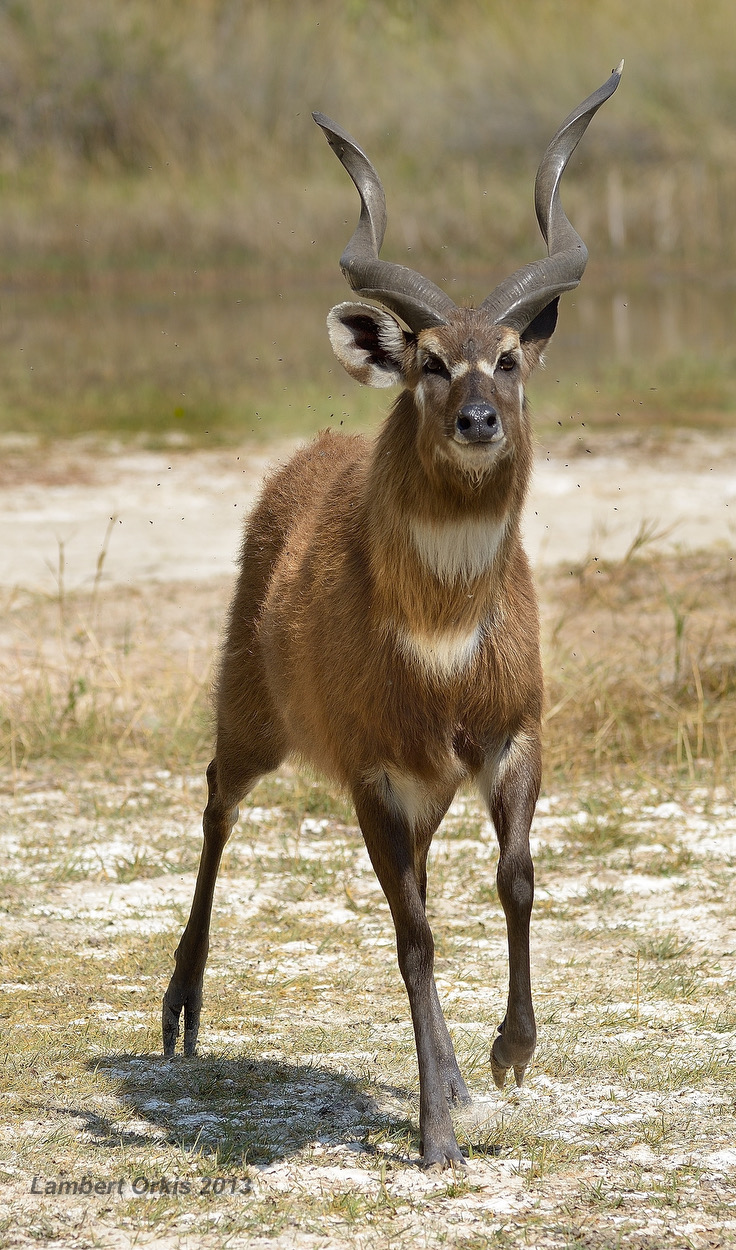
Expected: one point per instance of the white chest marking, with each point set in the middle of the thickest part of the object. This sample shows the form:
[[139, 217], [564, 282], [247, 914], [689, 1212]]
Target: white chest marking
[[453, 549], [445, 653]]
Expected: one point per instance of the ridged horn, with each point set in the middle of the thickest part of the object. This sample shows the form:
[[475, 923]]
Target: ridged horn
[[417, 301], [516, 301]]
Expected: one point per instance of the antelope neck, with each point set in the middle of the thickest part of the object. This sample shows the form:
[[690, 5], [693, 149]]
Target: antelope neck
[[437, 582]]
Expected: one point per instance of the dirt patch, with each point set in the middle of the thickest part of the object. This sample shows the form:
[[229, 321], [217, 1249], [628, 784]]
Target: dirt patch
[[178, 515], [156, 516]]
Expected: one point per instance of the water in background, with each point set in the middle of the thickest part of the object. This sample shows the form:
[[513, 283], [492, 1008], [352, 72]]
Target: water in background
[[198, 353]]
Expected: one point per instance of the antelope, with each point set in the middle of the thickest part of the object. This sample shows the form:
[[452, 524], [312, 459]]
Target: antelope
[[384, 626]]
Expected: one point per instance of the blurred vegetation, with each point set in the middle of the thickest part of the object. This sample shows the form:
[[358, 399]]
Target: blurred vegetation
[[191, 118], [154, 153]]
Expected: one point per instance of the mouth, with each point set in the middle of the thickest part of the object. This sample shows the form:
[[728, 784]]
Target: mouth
[[479, 456], [483, 440]]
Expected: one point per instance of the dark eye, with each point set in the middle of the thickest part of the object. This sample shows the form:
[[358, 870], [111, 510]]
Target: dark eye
[[433, 364], [507, 362]]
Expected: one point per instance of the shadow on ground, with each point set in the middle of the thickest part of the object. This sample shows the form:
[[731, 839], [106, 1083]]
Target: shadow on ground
[[242, 1110]]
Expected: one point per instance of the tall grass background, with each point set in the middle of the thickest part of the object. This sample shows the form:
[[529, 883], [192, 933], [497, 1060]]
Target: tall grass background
[[149, 133]]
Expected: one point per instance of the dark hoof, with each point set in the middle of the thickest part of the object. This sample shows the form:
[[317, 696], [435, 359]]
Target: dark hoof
[[443, 1157], [170, 1014], [169, 1026], [503, 1057], [498, 1072]]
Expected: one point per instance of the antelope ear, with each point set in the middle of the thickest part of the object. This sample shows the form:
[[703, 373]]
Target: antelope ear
[[370, 344], [538, 333]]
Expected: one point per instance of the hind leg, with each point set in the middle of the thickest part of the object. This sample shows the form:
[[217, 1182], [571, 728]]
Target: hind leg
[[231, 775]]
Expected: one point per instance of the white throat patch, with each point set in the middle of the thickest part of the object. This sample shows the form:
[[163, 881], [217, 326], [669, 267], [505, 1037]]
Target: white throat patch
[[454, 549]]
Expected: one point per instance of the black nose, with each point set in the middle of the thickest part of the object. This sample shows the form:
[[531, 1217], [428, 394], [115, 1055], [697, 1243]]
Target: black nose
[[477, 422]]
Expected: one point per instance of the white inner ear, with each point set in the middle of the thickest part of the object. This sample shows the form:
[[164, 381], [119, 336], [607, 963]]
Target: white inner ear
[[357, 360]]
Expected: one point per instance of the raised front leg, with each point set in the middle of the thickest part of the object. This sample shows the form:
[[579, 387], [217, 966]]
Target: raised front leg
[[398, 853], [511, 796]]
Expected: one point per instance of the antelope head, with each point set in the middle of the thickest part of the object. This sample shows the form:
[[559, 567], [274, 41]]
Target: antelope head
[[464, 368]]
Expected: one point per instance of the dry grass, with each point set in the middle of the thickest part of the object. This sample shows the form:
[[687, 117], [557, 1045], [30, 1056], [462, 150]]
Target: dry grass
[[640, 662], [642, 667], [191, 123], [110, 678]]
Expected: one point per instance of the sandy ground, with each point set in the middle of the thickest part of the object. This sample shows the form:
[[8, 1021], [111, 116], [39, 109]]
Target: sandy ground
[[178, 514], [622, 1137]]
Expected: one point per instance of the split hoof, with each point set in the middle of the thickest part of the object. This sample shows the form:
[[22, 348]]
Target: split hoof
[[170, 1016], [442, 1158], [499, 1068]]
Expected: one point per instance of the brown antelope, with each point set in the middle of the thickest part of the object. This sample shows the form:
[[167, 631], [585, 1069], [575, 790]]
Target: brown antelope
[[384, 626]]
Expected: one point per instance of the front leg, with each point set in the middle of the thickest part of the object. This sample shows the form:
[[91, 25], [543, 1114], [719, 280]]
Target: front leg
[[185, 987], [511, 795], [398, 849]]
